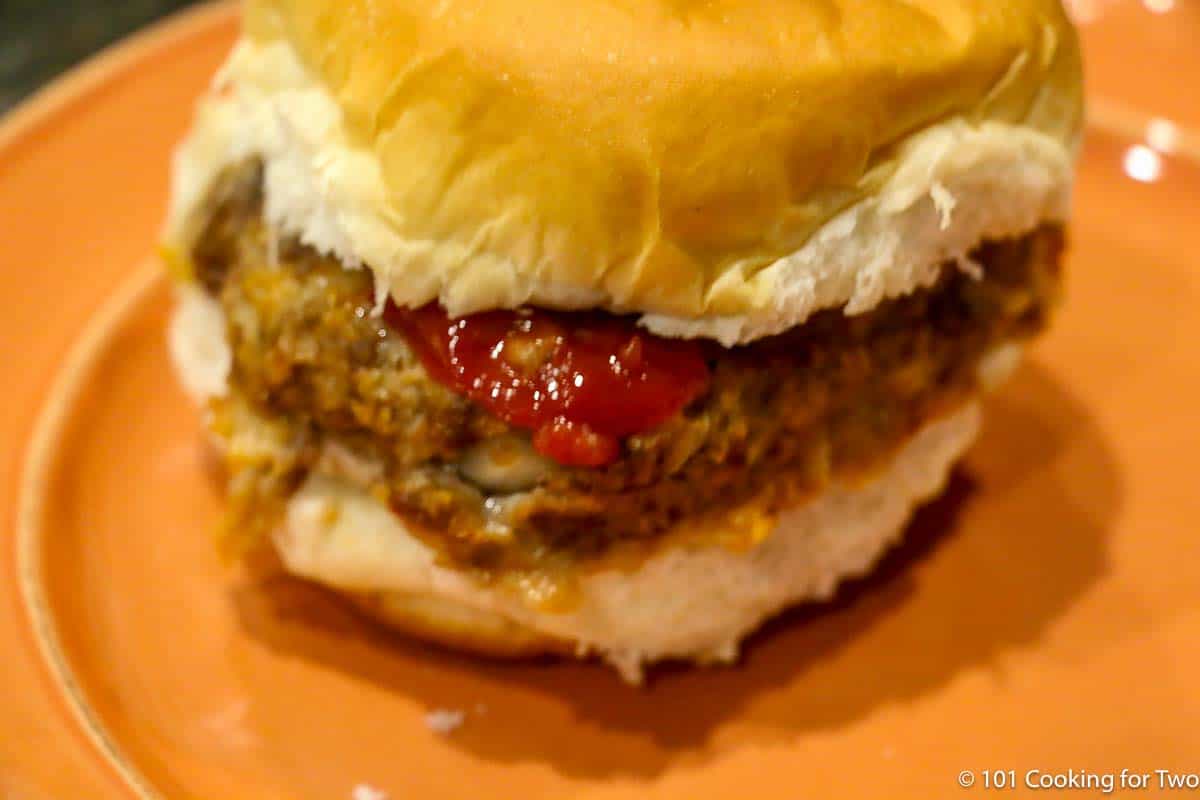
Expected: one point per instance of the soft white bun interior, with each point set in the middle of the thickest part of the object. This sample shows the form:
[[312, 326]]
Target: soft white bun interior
[[197, 343]]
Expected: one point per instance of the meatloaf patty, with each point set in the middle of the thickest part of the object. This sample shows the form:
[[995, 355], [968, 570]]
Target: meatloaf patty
[[315, 362]]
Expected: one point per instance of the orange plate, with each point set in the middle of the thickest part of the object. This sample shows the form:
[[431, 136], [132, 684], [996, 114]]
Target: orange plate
[[1043, 615]]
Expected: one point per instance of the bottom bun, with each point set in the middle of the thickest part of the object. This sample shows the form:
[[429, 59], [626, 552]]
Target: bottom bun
[[694, 603], [454, 624]]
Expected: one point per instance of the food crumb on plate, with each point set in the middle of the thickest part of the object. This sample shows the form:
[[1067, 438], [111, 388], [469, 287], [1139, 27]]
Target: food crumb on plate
[[444, 720], [364, 792]]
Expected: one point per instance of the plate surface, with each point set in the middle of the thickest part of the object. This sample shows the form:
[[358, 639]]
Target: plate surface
[[1044, 614]]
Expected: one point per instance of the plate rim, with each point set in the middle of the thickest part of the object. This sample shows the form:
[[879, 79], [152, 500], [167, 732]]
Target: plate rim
[[37, 463], [30, 116], [115, 59], [53, 408]]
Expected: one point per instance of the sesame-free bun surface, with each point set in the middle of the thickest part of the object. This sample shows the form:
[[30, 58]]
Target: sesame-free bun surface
[[684, 160]]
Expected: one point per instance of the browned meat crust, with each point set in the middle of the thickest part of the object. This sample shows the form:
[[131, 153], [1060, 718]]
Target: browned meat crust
[[835, 396]]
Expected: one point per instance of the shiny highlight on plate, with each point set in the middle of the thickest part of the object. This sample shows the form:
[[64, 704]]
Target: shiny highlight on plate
[[1084, 12], [1163, 135], [1143, 164], [1159, 6]]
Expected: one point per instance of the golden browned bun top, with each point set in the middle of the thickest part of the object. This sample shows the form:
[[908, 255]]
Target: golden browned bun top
[[651, 155]]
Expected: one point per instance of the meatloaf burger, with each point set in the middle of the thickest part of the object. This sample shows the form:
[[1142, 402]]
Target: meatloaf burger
[[611, 326]]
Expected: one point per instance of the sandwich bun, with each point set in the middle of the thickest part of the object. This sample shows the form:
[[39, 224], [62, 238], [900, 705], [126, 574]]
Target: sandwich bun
[[723, 170], [689, 603], [683, 602]]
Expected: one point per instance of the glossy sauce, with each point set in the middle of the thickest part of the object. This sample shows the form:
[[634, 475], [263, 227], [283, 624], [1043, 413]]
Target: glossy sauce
[[580, 381]]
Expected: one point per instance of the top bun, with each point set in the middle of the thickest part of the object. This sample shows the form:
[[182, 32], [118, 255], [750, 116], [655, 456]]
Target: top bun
[[724, 168]]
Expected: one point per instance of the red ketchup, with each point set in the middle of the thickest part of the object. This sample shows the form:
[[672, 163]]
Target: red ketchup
[[580, 381]]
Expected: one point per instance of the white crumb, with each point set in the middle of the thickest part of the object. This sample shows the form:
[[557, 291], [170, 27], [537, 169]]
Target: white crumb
[[944, 202], [364, 792], [970, 267], [444, 720]]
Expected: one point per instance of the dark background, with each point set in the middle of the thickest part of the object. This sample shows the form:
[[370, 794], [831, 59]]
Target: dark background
[[41, 38]]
